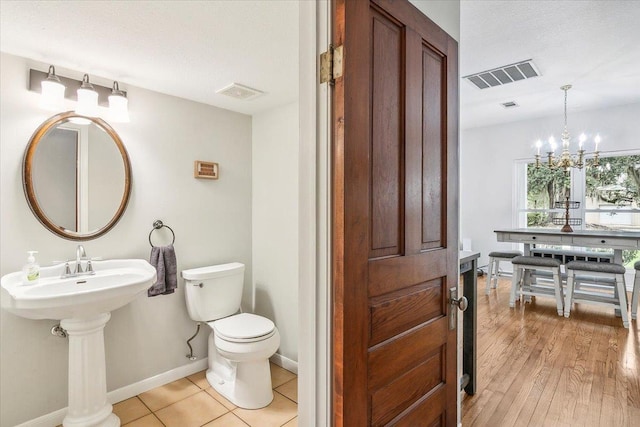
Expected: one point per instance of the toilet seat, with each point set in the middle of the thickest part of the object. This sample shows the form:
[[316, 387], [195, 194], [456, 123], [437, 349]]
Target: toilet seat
[[243, 328]]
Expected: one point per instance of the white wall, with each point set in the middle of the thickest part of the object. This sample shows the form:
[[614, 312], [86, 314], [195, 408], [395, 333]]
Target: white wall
[[487, 164], [445, 13], [211, 219], [275, 221]]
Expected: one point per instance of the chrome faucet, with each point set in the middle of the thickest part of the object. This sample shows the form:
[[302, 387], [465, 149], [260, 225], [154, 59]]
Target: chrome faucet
[[80, 255]]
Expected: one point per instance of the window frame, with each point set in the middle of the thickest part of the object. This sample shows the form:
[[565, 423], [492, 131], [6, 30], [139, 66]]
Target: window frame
[[577, 187]]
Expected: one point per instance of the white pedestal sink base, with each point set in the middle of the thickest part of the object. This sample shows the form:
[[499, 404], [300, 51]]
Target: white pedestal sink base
[[88, 405]]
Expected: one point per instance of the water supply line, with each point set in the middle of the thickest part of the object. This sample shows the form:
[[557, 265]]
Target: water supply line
[[190, 356], [59, 331]]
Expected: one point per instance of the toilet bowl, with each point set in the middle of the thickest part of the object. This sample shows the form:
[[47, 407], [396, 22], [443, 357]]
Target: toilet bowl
[[240, 345], [239, 365]]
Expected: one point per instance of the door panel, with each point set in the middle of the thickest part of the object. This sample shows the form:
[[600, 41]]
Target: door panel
[[402, 392], [395, 215], [386, 138], [399, 311], [433, 150]]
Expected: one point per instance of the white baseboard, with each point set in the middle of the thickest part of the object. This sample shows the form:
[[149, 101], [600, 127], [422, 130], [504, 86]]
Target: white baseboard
[[55, 418], [147, 384], [283, 362]]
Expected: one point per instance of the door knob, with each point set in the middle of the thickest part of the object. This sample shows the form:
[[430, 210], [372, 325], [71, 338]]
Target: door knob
[[461, 303]]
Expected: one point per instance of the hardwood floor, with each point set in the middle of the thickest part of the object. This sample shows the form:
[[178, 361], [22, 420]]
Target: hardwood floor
[[536, 368]]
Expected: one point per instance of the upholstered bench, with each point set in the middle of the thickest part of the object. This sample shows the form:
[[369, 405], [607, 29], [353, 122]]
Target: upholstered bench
[[522, 285], [636, 291], [607, 276], [493, 270]]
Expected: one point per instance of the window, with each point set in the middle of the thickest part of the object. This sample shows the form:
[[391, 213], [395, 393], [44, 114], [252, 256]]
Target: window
[[609, 195]]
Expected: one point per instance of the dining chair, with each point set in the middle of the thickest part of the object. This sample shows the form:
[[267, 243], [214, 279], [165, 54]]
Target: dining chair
[[605, 282], [522, 285], [493, 269]]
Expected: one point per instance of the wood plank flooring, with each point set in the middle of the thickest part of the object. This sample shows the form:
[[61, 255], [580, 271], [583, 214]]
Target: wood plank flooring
[[536, 368]]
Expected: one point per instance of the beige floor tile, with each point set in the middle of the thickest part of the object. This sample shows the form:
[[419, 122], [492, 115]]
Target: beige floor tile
[[220, 398], [146, 421], [193, 411], [280, 375], [227, 420], [292, 423], [289, 389], [130, 409], [169, 393], [200, 379], [280, 411]]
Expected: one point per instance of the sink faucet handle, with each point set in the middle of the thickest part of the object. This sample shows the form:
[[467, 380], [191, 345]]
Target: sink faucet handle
[[89, 267], [67, 270]]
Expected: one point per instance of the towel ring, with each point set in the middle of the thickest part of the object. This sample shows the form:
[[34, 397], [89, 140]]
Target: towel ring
[[157, 225]]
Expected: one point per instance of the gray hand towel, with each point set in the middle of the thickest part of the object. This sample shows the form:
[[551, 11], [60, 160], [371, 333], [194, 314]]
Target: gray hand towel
[[163, 258]]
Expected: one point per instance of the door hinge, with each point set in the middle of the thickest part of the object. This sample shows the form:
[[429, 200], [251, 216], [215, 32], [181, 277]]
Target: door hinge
[[331, 64]]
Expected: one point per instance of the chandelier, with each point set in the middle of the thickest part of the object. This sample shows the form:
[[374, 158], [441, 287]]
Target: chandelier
[[567, 160]]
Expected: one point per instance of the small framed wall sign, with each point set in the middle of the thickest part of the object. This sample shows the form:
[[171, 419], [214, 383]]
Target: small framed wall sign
[[207, 170]]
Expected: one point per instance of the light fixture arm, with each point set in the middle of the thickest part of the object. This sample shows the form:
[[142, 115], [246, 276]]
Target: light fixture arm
[[116, 90], [85, 83], [51, 75]]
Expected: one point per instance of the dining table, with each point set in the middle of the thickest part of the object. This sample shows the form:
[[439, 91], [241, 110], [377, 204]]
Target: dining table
[[615, 240], [601, 239]]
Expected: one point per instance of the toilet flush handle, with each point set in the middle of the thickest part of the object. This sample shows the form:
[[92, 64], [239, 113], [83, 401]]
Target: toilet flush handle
[[198, 284]]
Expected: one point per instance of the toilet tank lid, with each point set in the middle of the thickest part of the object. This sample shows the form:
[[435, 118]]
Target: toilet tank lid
[[213, 271]]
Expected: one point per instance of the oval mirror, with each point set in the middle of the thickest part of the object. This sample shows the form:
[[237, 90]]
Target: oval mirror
[[76, 176]]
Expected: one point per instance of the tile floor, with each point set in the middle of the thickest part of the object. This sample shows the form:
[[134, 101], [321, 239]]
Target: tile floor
[[192, 402]]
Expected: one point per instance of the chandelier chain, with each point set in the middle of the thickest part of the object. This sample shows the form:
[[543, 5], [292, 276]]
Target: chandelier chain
[[565, 107]]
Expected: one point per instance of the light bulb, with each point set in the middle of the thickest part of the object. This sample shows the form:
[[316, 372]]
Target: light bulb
[[583, 138], [538, 145], [118, 105], [52, 97], [552, 143], [597, 139], [87, 99]]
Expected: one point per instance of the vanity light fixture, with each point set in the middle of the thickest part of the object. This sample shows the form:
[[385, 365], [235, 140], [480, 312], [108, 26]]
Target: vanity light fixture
[[52, 91], [87, 99], [118, 105], [88, 96]]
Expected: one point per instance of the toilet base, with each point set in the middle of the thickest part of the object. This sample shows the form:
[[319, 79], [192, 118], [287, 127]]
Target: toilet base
[[249, 388]]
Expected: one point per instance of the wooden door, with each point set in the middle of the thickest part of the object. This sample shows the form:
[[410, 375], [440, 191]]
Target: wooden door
[[395, 220]]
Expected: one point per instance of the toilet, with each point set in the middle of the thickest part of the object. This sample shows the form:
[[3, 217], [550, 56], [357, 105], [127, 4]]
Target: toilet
[[240, 344]]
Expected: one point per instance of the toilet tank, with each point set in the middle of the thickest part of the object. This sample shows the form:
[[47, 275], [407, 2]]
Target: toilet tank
[[213, 292]]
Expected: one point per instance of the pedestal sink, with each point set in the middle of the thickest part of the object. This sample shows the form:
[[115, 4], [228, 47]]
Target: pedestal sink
[[83, 305]]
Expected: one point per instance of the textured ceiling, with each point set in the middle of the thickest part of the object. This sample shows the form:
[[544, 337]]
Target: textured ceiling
[[191, 49], [593, 45], [188, 49]]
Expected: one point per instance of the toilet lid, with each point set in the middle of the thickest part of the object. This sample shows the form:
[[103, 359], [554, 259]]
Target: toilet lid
[[243, 326]]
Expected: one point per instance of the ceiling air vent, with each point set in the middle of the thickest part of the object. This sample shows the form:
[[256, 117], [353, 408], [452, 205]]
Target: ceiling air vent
[[509, 104], [503, 75], [238, 91]]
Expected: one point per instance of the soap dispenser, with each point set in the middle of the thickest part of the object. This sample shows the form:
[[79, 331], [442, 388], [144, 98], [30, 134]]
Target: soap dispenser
[[31, 270]]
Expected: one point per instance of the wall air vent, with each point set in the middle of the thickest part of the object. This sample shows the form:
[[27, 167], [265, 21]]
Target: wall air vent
[[509, 104], [238, 91], [501, 76]]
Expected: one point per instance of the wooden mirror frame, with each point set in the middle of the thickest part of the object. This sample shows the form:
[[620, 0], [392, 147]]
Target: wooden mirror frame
[[28, 185]]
